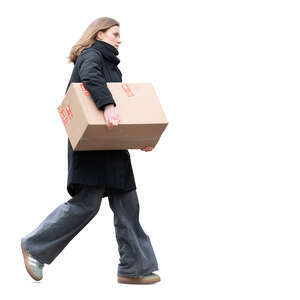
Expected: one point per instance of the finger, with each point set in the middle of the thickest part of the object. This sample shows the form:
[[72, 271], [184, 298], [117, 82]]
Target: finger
[[109, 125], [110, 122]]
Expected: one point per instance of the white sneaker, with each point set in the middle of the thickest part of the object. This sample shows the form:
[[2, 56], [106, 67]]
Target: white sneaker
[[33, 266]]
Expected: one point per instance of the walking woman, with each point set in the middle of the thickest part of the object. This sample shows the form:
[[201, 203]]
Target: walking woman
[[95, 174]]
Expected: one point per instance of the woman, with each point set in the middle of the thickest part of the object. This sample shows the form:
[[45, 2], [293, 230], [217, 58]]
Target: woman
[[93, 175]]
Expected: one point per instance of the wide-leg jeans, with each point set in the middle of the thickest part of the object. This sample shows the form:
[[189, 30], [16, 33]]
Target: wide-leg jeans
[[137, 257]]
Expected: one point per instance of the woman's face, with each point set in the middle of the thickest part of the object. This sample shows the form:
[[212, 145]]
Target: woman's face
[[110, 36]]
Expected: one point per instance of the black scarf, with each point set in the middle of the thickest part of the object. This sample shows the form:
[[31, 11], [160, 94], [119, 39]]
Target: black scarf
[[107, 50]]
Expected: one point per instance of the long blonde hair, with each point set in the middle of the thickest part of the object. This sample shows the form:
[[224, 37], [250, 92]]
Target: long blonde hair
[[89, 36]]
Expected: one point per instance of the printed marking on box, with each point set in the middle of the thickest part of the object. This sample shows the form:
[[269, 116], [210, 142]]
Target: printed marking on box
[[63, 116], [127, 90], [68, 109], [83, 88]]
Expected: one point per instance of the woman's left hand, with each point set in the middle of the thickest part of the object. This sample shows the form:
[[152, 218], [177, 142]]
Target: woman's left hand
[[148, 148]]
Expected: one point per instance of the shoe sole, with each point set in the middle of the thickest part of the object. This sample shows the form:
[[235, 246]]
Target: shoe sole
[[135, 280], [28, 269]]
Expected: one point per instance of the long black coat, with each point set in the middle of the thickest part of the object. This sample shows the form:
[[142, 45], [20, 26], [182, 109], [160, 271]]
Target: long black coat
[[94, 67]]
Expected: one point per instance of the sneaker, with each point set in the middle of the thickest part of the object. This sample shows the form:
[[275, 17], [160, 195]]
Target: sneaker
[[33, 266], [149, 278]]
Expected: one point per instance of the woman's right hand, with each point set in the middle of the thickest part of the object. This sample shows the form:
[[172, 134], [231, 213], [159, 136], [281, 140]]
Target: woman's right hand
[[111, 116]]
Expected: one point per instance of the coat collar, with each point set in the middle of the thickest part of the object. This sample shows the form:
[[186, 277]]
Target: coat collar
[[107, 50]]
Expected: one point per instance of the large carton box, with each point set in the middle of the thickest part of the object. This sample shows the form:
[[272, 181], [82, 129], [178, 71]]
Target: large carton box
[[142, 120]]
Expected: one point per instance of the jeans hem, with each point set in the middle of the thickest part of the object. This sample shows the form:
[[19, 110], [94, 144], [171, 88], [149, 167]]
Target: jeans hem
[[34, 256], [139, 274]]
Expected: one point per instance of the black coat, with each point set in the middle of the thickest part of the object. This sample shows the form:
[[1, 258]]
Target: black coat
[[94, 67]]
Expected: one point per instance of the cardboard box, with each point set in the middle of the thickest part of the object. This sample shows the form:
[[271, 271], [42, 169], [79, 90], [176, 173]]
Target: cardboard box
[[142, 120]]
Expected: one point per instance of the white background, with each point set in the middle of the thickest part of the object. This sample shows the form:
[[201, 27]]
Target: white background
[[219, 195]]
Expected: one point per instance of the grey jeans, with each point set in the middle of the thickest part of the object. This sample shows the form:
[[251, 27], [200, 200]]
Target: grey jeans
[[136, 253]]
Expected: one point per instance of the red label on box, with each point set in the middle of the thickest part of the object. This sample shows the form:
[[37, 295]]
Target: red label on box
[[83, 88], [68, 109], [127, 90], [63, 116]]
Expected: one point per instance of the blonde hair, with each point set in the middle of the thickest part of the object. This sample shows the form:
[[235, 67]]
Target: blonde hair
[[89, 36]]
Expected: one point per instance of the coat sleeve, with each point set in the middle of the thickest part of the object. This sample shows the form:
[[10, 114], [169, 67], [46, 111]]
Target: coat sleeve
[[91, 75]]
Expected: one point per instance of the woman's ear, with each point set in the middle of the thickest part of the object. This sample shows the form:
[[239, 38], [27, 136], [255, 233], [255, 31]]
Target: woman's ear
[[99, 35]]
